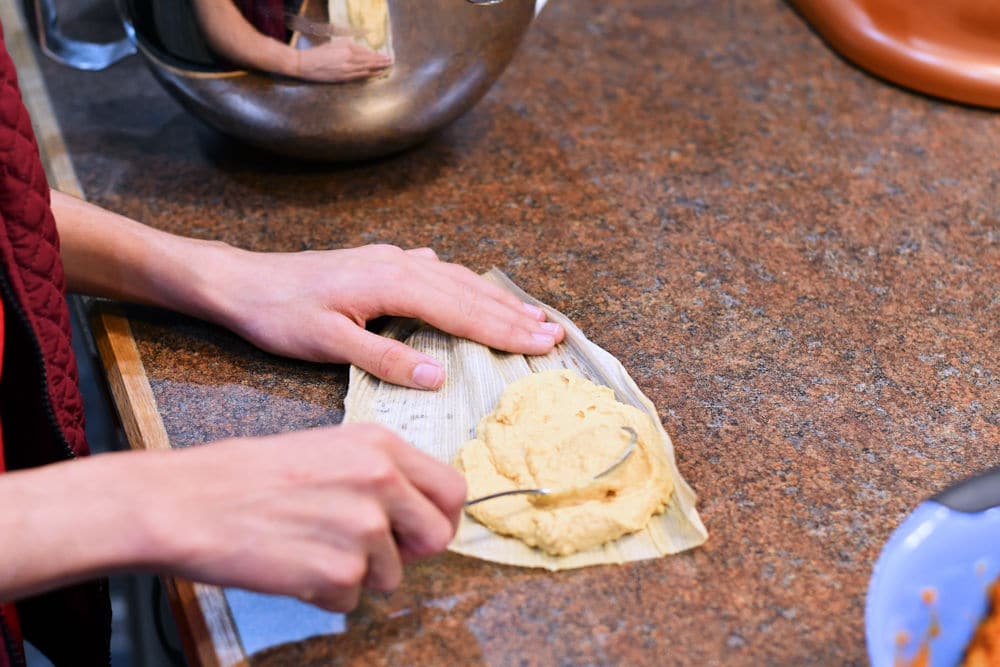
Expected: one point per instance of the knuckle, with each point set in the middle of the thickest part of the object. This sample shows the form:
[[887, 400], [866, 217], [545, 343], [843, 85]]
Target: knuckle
[[372, 525], [387, 359], [385, 582], [375, 442], [344, 573], [349, 600], [392, 581], [386, 250], [382, 472], [438, 537], [454, 494], [514, 334], [374, 434], [342, 601], [364, 431]]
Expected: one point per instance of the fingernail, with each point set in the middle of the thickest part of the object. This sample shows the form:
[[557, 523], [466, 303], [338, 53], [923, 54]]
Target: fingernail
[[550, 328], [548, 340], [534, 311], [428, 375]]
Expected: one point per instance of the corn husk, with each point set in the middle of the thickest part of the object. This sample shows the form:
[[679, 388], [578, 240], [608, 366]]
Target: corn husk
[[439, 423], [342, 12]]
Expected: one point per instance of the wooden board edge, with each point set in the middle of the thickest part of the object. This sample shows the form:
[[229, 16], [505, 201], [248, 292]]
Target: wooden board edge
[[207, 630], [199, 629], [126, 377]]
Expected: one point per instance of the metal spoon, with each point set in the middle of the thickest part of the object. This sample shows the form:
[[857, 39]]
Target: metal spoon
[[634, 438]]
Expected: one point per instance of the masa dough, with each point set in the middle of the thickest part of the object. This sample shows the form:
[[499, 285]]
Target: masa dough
[[371, 19], [556, 430]]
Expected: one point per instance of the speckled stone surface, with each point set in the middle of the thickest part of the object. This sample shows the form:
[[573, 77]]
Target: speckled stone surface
[[798, 264]]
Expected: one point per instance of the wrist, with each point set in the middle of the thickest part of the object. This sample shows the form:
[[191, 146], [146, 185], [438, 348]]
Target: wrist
[[107, 497], [196, 282], [138, 511], [280, 58], [74, 521]]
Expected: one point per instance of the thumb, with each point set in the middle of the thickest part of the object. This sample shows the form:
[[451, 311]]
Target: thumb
[[392, 361]]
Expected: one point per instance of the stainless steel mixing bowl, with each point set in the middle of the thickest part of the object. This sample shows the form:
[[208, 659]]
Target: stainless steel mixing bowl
[[447, 55]]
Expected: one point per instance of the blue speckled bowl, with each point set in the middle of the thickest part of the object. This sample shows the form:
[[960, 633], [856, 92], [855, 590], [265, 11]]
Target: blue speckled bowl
[[949, 545]]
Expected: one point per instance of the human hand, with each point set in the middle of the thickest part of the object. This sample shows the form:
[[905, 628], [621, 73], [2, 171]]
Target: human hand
[[314, 306], [340, 59], [316, 514]]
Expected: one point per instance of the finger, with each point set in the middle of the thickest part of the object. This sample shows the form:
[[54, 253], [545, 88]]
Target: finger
[[370, 67], [464, 311], [471, 306], [364, 60], [466, 276], [439, 483], [422, 528], [423, 253], [368, 58], [341, 600], [352, 65], [390, 360], [362, 51], [355, 74], [474, 280], [422, 496], [365, 71], [336, 584], [385, 568]]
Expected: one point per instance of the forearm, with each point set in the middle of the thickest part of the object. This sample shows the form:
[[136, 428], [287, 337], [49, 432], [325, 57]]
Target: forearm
[[233, 37], [71, 521], [109, 255], [308, 305]]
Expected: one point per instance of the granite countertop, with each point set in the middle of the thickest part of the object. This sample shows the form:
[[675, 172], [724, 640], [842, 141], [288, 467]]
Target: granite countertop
[[797, 263]]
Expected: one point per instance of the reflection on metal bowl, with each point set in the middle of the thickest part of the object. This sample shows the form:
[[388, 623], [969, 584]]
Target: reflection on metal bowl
[[447, 53]]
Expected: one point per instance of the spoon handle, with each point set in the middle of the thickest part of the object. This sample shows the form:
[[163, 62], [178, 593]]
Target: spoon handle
[[505, 493]]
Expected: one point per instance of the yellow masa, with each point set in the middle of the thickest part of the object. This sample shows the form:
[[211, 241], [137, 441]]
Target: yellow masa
[[557, 430]]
